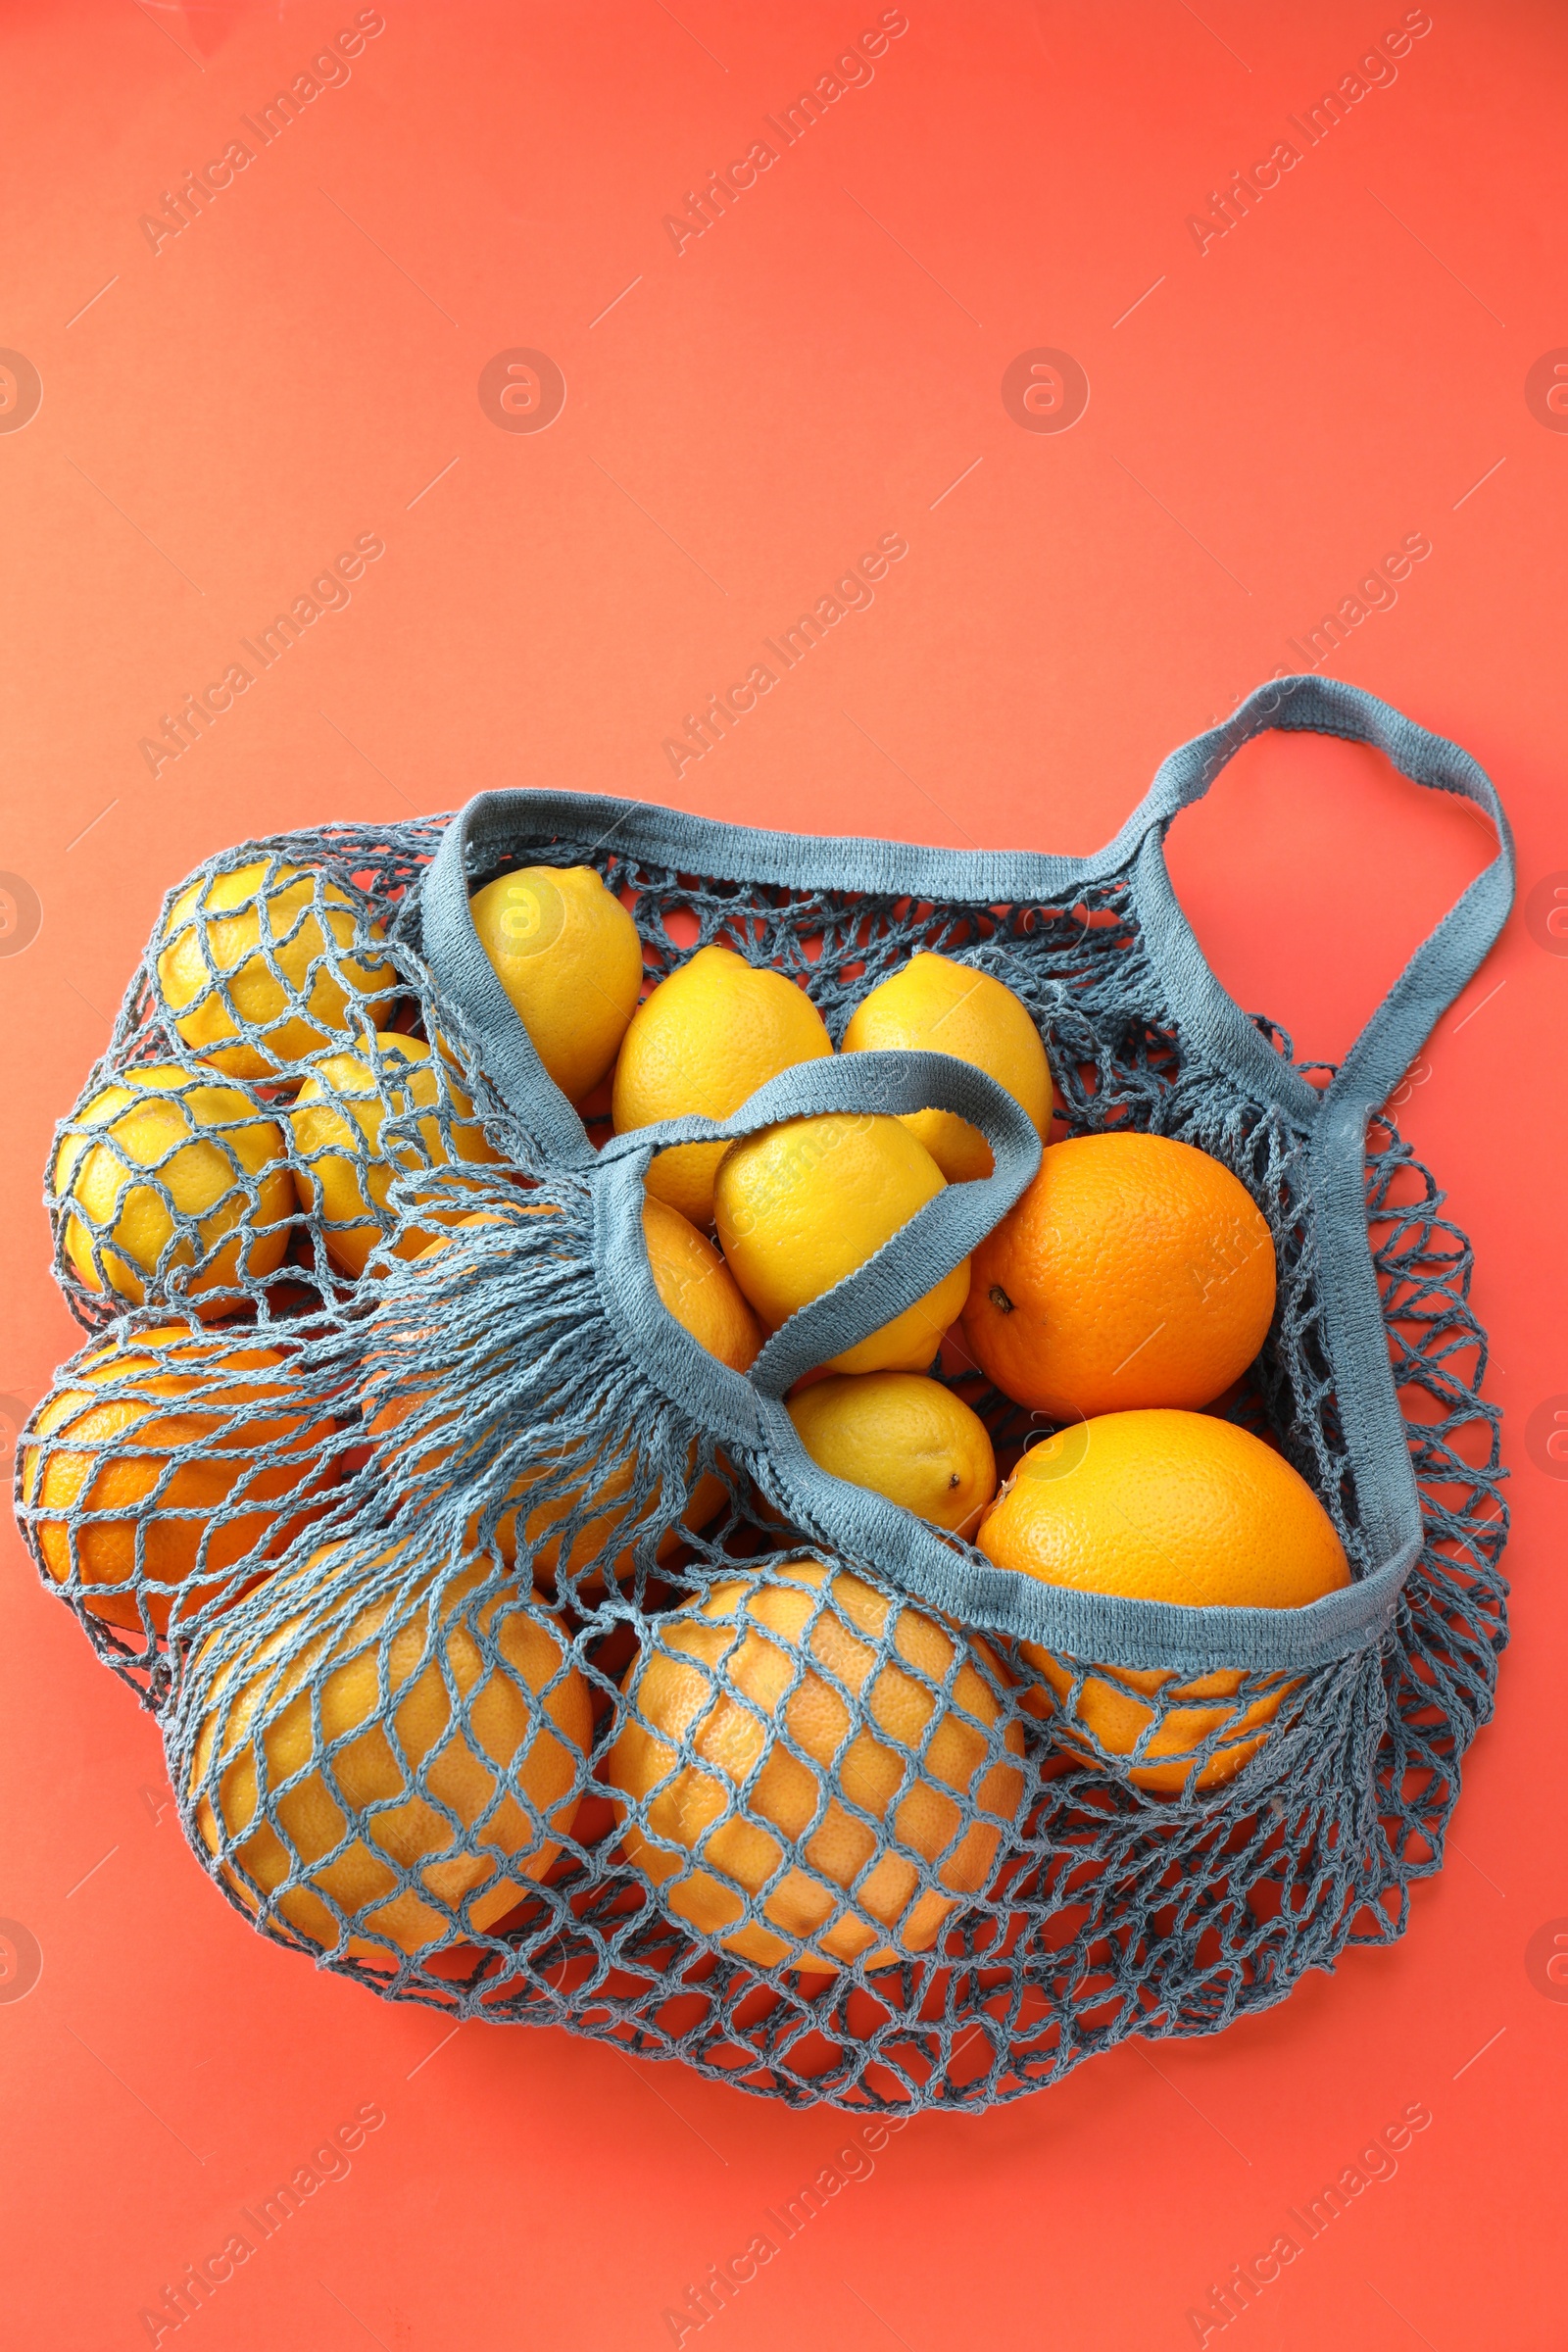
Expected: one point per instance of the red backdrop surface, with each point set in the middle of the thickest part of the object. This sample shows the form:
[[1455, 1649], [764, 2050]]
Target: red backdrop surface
[[1279, 398]]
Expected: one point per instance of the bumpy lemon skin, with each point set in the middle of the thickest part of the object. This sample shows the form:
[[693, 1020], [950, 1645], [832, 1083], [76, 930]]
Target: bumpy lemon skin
[[218, 1161], [329, 1176], [903, 1436], [571, 960], [705, 1040], [937, 1005], [804, 1204], [318, 993]]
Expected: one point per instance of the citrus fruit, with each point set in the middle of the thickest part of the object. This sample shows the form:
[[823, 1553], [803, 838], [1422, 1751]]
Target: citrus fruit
[[1169, 1507], [336, 1119], [706, 1039], [903, 1436], [168, 1151], [112, 1457], [568, 955], [1132, 1271], [267, 944], [697, 1287], [804, 1204], [701, 1292], [938, 1006], [751, 1665], [487, 1726]]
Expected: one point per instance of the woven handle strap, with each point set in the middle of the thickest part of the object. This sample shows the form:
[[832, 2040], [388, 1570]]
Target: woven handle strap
[[473, 841], [938, 1237], [1335, 1118], [1434, 976], [494, 825]]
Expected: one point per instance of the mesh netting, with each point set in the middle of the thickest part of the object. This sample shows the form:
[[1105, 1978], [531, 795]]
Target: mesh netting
[[489, 1678]]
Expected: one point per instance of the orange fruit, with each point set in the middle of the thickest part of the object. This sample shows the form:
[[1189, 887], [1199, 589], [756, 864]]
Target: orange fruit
[[1169, 1506], [703, 1041], [112, 1457], [800, 1205], [1133, 1272], [727, 1677], [272, 947], [936, 1005], [699, 1292], [173, 1175], [490, 1723], [568, 955]]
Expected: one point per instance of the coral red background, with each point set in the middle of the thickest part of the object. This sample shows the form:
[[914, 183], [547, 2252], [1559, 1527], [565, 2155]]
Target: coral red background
[[1268, 417]]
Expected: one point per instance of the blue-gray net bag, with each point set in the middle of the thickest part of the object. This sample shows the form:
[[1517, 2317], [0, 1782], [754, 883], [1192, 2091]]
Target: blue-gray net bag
[[511, 1654]]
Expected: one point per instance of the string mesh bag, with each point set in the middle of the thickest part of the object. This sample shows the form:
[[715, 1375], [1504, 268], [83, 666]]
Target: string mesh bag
[[511, 1654]]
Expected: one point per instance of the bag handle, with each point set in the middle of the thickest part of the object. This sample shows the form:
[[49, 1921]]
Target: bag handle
[[465, 973], [938, 1237], [1441, 967], [491, 822], [745, 1410], [1336, 1116]]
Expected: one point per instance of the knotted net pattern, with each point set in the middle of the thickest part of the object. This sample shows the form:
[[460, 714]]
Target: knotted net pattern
[[488, 1678]]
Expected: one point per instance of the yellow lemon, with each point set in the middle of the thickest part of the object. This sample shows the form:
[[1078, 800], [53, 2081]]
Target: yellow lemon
[[940, 1007], [698, 1288], [149, 1503], [804, 1204], [568, 955], [903, 1436], [336, 1119], [252, 943], [207, 1154], [362, 1787], [707, 1037]]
